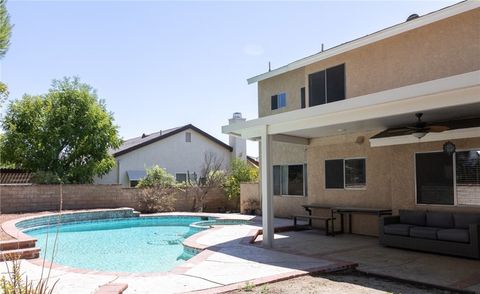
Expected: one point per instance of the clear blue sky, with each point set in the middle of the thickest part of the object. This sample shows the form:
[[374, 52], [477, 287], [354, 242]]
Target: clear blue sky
[[164, 64]]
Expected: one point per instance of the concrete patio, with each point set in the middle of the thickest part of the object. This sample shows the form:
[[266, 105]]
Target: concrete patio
[[433, 269]]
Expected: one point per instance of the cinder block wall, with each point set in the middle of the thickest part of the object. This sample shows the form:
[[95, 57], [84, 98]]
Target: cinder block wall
[[31, 198]]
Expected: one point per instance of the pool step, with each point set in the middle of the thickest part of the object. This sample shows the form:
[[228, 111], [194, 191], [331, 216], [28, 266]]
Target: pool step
[[25, 253], [17, 244]]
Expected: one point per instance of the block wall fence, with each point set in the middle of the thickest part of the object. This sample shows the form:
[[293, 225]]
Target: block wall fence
[[32, 198]]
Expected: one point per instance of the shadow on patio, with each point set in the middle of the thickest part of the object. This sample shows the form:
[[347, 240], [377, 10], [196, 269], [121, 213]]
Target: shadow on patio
[[433, 269]]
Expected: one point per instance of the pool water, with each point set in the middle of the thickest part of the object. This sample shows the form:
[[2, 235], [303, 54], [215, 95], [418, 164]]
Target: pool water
[[145, 244]]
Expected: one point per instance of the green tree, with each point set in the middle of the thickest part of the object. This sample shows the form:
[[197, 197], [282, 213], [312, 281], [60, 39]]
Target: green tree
[[157, 176], [67, 132], [5, 33], [240, 172]]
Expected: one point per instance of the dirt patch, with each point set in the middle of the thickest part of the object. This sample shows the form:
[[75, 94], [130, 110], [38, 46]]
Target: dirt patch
[[6, 217], [349, 282]]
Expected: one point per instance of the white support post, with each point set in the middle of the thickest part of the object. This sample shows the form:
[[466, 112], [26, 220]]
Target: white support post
[[267, 187]]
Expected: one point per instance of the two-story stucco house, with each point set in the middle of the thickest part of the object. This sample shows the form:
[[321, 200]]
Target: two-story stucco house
[[340, 127], [181, 151]]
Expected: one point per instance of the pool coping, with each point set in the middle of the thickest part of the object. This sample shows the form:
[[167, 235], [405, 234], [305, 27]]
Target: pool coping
[[191, 242]]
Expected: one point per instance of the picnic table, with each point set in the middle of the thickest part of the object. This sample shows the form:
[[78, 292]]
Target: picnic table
[[345, 210]]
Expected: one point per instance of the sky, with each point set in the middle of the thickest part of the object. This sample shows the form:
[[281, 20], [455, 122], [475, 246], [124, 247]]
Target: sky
[[160, 64]]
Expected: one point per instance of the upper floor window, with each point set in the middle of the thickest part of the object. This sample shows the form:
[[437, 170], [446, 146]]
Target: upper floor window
[[279, 101], [188, 137], [327, 85], [302, 97]]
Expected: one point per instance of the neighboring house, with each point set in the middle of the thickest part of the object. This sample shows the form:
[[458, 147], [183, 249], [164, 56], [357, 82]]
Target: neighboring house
[[347, 116], [181, 151]]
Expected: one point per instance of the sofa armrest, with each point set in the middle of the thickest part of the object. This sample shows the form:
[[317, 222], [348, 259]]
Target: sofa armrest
[[390, 219], [474, 230]]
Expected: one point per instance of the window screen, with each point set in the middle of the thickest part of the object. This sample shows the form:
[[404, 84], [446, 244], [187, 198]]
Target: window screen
[[276, 180], [295, 180], [188, 137], [334, 174], [316, 88], [355, 175], [434, 176], [282, 100], [288, 180], [467, 165], [336, 83]]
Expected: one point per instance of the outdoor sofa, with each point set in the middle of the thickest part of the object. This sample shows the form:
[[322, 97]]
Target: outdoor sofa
[[433, 231]]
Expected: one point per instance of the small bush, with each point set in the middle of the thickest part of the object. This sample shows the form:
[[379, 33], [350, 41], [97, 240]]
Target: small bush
[[158, 190], [14, 283]]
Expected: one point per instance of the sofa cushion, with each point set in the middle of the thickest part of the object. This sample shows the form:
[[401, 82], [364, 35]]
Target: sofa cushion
[[455, 235], [439, 219], [424, 232], [412, 217], [397, 229], [463, 220]]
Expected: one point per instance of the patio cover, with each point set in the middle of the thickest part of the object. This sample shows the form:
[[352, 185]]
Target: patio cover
[[443, 99]]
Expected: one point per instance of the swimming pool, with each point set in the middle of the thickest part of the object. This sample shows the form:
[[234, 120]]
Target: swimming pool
[[139, 244]]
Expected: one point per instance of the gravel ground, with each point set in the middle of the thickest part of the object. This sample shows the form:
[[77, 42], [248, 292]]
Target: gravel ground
[[350, 282], [7, 217]]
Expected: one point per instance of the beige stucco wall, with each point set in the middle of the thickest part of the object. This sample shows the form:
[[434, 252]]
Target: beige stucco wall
[[444, 48], [390, 178], [289, 83]]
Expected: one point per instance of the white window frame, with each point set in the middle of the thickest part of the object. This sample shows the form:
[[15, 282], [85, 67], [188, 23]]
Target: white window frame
[[454, 166], [305, 181], [188, 137], [344, 174]]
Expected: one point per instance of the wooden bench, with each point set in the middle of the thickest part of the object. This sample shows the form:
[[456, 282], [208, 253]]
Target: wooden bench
[[328, 220]]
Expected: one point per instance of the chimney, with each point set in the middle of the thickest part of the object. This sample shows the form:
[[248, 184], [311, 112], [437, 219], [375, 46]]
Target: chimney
[[239, 145]]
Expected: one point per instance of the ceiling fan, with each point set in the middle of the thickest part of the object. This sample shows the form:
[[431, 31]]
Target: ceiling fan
[[421, 128]]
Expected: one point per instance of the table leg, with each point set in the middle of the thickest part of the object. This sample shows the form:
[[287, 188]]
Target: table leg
[[310, 214]]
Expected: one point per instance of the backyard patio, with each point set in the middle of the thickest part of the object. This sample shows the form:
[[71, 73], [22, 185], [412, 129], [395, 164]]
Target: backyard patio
[[230, 262]]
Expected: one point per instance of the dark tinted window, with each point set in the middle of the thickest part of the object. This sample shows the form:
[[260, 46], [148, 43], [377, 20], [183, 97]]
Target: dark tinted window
[[316, 87], [274, 102], [336, 83], [434, 178], [355, 173], [467, 164], [302, 97], [295, 180], [334, 173]]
